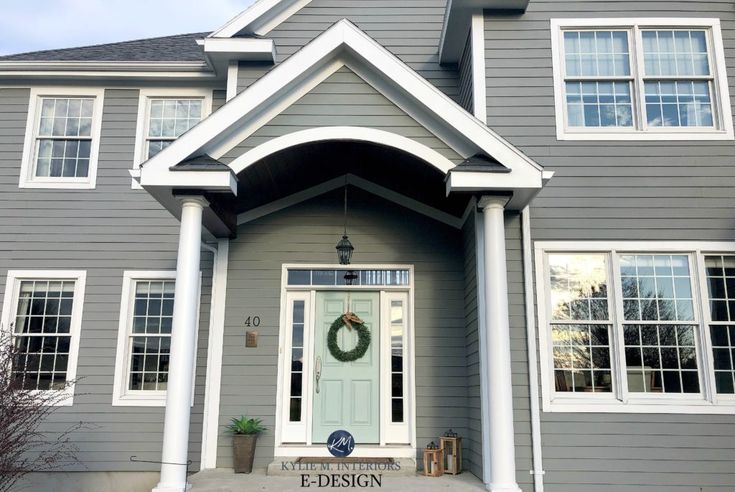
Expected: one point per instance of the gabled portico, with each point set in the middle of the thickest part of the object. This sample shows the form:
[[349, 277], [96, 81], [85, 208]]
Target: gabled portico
[[435, 160]]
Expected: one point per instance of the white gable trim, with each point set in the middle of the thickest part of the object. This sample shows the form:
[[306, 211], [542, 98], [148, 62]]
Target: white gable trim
[[343, 133], [343, 44], [260, 18]]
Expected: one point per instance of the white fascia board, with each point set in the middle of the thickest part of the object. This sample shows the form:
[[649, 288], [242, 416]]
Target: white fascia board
[[255, 49], [523, 189], [201, 180], [457, 20], [260, 18], [344, 44]]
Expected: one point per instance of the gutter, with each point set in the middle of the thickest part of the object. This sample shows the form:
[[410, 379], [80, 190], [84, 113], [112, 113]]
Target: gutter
[[533, 381]]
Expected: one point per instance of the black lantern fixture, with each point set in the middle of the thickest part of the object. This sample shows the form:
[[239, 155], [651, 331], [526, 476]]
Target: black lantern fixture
[[344, 246]]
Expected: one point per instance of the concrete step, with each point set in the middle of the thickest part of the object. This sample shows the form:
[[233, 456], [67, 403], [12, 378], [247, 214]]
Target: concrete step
[[290, 466]]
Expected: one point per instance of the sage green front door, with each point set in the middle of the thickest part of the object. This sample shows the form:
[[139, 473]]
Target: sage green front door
[[347, 395]]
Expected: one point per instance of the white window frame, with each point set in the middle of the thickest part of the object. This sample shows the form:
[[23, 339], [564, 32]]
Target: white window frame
[[620, 401], [10, 306], [721, 106], [28, 178], [121, 396], [144, 111]]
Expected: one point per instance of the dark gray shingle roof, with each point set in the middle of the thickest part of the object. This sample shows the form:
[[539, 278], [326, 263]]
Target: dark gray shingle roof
[[179, 48], [202, 162], [481, 163]]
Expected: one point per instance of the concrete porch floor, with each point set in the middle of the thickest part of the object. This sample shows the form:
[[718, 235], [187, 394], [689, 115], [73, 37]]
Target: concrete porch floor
[[225, 480]]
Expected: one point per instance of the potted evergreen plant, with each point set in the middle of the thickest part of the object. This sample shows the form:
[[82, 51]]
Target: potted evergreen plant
[[245, 433]]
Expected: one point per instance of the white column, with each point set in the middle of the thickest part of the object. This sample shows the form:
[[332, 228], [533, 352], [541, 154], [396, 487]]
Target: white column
[[497, 348], [183, 341]]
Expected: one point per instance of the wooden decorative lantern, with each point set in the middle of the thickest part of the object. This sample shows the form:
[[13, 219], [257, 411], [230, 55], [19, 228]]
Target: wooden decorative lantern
[[433, 461], [451, 445]]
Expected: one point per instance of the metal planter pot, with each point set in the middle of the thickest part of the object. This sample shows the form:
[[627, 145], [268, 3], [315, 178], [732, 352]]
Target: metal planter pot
[[244, 452]]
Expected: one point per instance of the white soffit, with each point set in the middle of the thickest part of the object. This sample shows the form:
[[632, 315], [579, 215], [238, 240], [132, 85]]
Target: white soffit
[[260, 18], [457, 21], [342, 45]]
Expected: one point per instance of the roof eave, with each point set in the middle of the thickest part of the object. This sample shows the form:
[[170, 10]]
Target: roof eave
[[457, 19], [103, 69]]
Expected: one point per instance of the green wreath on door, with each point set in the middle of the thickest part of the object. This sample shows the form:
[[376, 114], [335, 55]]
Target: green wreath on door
[[351, 321]]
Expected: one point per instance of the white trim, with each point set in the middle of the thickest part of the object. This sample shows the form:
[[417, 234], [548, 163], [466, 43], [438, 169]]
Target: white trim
[[286, 433], [213, 381], [339, 182], [144, 108], [255, 49], [479, 78], [390, 432], [10, 300], [28, 162], [533, 380], [233, 70], [722, 111], [620, 401], [342, 133], [260, 18], [341, 45], [121, 397]]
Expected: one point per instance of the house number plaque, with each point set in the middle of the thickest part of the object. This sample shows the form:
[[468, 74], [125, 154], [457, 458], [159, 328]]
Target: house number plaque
[[251, 339]]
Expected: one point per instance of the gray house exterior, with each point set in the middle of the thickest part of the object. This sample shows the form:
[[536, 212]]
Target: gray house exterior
[[539, 194]]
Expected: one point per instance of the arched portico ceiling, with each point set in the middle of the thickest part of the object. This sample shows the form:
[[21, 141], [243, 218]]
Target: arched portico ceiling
[[343, 134]]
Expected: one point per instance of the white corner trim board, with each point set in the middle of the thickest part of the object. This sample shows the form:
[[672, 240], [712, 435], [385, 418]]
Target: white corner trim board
[[210, 428], [10, 307], [28, 178], [341, 44], [479, 77]]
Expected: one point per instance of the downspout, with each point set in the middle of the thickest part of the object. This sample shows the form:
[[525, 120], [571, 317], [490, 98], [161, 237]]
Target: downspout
[[538, 468]]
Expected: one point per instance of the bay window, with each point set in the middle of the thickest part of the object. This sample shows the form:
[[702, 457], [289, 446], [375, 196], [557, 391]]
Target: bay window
[[635, 327]]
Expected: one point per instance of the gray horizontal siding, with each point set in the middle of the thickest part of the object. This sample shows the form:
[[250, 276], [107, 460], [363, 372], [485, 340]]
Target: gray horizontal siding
[[343, 99], [668, 190], [307, 233], [409, 29], [466, 98], [104, 232], [607, 190]]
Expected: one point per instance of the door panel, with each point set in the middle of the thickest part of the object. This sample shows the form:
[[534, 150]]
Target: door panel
[[348, 396]]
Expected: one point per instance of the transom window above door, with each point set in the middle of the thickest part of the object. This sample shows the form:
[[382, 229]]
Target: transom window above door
[[333, 277], [640, 79]]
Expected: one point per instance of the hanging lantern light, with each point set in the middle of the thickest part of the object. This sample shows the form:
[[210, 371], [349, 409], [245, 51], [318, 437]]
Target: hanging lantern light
[[344, 246]]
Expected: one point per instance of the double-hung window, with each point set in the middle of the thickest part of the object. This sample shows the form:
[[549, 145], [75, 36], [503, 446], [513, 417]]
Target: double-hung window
[[165, 115], [640, 79], [42, 314], [144, 338], [635, 327], [62, 138]]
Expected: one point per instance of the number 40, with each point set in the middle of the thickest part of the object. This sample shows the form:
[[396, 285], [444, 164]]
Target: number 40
[[252, 321]]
